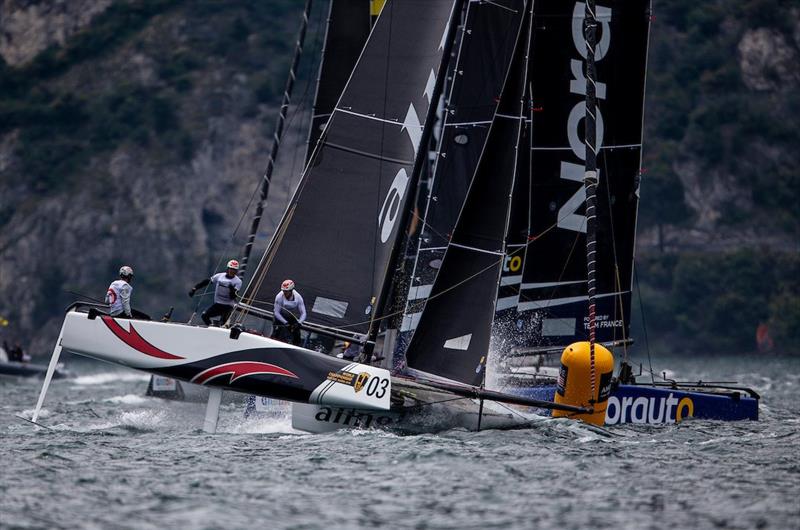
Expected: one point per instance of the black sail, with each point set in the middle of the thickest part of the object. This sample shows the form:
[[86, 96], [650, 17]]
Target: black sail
[[553, 300], [507, 330], [339, 230], [489, 35], [452, 338], [349, 24]]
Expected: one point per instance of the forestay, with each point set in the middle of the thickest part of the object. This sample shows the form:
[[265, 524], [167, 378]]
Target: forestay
[[337, 235], [505, 325]]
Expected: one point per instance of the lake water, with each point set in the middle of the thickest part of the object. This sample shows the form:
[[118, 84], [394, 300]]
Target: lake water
[[113, 458]]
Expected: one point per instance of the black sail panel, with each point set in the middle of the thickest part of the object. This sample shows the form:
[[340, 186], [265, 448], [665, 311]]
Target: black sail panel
[[337, 235], [491, 29], [349, 25], [507, 331], [489, 35], [452, 338], [553, 300]]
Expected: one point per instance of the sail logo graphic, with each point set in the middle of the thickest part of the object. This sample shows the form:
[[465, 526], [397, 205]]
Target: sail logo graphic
[[646, 410], [603, 322], [512, 263], [391, 205], [397, 191], [568, 218]]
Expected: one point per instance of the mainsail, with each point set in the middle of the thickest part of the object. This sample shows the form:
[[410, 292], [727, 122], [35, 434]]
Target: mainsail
[[349, 24], [552, 302], [338, 234], [452, 338], [489, 35]]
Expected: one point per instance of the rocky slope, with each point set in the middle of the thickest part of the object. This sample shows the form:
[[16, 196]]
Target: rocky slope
[[140, 143], [720, 162], [30, 27], [719, 246]]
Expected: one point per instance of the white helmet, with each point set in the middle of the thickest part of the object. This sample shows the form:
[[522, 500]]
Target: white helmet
[[125, 272], [233, 264], [287, 285]]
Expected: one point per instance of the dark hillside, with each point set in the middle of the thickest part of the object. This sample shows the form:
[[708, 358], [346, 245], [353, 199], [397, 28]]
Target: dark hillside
[[138, 138], [719, 223]]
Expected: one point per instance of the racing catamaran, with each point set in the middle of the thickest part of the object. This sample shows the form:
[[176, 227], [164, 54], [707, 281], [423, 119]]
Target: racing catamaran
[[543, 297], [339, 238]]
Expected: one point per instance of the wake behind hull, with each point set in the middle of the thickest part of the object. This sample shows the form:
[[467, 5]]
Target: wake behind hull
[[20, 369], [419, 409], [241, 362]]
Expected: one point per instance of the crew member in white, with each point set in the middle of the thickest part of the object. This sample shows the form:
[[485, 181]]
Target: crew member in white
[[118, 296], [226, 288], [285, 322]]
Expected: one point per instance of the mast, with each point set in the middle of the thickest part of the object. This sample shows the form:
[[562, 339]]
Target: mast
[[276, 141], [590, 176], [419, 161]]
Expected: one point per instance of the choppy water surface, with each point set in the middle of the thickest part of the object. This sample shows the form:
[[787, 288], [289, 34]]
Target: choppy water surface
[[116, 459]]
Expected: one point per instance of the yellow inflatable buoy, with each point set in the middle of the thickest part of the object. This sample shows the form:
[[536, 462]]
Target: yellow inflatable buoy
[[574, 381]]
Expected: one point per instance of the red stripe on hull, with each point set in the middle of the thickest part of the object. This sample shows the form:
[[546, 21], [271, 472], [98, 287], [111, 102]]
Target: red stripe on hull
[[240, 369], [136, 341]]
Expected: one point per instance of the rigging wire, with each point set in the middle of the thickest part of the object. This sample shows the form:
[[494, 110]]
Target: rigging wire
[[290, 121], [617, 279], [277, 236], [300, 109], [644, 321], [374, 323], [277, 137]]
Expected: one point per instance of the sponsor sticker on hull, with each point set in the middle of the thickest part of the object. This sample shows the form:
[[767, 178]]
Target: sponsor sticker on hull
[[355, 385], [648, 410]]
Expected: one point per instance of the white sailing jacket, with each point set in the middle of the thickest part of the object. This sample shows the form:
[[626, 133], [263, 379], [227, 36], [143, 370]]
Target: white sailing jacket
[[222, 288], [118, 297], [295, 304]]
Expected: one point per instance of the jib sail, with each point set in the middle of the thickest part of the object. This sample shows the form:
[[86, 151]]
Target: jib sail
[[452, 338], [338, 233], [489, 35]]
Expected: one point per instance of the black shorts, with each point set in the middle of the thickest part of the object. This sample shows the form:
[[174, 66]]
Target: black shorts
[[217, 310]]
